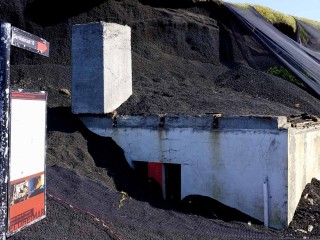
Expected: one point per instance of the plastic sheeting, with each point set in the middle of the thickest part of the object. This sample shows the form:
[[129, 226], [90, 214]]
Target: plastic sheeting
[[303, 61], [309, 38]]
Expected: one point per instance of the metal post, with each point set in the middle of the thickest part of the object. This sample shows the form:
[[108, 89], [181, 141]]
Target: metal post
[[5, 48], [266, 204]]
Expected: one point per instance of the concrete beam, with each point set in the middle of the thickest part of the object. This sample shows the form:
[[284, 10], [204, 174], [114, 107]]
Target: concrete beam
[[101, 67]]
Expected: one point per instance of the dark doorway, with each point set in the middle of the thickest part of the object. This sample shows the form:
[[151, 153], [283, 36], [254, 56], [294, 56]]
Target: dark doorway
[[151, 172], [173, 182], [141, 169], [151, 175]]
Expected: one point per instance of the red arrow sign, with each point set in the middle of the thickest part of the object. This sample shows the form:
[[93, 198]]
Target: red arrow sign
[[42, 47], [30, 42]]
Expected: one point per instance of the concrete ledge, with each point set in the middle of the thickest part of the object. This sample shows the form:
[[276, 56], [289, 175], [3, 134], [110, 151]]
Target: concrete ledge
[[148, 122], [253, 122], [195, 122], [138, 121], [97, 123], [205, 122]]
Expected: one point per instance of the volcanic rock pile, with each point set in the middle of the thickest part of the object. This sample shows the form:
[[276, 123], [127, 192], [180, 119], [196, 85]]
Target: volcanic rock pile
[[188, 58]]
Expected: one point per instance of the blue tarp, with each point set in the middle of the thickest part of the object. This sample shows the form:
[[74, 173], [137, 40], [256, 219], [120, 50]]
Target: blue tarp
[[302, 60]]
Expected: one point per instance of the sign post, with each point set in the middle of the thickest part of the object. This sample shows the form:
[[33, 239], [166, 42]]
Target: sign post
[[5, 48], [21, 185]]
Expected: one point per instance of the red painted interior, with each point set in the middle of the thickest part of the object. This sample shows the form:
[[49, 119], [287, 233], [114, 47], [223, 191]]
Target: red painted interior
[[155, 172]]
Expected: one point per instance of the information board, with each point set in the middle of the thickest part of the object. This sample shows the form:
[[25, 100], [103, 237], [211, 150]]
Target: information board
[[22, 175], [26, 199]]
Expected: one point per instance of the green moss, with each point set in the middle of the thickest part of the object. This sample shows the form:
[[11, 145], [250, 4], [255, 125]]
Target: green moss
[[313, 23], [272, 16], [276, 17], [304, 36], [285, 74], [242, 5]]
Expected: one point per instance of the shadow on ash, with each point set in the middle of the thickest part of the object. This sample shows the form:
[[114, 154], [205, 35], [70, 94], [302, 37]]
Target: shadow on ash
[[258, 165]]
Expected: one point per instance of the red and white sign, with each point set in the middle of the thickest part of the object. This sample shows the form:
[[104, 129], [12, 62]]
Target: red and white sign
[[30, 42], [27, 159]]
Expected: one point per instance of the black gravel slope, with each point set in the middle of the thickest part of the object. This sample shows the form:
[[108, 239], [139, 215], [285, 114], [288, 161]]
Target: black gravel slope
[[186, 60]]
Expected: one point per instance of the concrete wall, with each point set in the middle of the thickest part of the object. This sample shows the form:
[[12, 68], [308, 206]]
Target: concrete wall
[[304, 163], [239, 164], [101, 67], [229, 163]]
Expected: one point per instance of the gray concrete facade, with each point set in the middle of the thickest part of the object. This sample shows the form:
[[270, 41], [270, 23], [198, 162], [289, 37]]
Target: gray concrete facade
[[228, 158], [101, 67]]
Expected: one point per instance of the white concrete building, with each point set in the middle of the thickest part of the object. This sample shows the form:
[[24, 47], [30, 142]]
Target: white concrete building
[[256, 164], [230, 159]]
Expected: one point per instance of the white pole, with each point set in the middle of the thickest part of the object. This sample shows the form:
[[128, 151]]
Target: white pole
[[266, 203]]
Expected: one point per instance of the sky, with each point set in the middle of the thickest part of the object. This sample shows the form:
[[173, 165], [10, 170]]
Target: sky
[[309, 9]]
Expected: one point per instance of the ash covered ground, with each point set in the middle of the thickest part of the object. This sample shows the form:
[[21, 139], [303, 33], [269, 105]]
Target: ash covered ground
[[187, 59]]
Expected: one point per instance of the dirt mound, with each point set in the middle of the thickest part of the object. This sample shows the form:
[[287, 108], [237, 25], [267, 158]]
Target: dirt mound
[[189, 59]]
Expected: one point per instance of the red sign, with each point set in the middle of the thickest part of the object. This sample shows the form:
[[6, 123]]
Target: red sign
[[26, 201]]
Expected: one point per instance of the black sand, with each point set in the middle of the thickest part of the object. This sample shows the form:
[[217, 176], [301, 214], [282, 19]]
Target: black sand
[[186, 60]]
